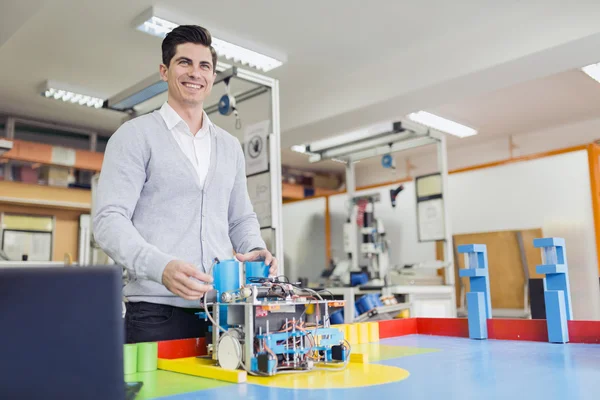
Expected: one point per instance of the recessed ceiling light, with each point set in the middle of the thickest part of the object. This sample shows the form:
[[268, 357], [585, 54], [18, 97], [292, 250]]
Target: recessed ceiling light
[[593, 71], [156, 22], [442, 124]]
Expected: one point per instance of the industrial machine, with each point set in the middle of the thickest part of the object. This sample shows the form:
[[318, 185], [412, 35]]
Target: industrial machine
[[269, 326], [371, 251]]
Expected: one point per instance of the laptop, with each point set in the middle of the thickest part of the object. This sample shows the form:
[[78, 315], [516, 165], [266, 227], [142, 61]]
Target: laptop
[[62, 333]]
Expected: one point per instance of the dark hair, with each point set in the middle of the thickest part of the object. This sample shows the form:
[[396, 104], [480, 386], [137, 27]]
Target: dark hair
[[187, 34]]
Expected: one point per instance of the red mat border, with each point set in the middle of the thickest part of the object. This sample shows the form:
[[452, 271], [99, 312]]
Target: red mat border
[[501, 329]]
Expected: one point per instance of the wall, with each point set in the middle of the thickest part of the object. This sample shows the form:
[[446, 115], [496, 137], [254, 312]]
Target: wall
[[539, 193], [482, 151], [304, 239]]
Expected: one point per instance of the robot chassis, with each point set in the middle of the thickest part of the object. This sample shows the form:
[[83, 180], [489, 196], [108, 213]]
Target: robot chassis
[[265, 327]]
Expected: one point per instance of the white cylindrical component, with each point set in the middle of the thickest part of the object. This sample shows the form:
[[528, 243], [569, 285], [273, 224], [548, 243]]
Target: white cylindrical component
[[229, 352]]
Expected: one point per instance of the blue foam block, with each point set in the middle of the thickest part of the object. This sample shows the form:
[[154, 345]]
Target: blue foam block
[[551, 269], [468, 272], [477, 315], [472, 248], [556, 316], [548, 242]]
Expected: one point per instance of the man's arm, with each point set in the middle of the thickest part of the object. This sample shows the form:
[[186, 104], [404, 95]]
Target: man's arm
[[121, 181], [244, 229]]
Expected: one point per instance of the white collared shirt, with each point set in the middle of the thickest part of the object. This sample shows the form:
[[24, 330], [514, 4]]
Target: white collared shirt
[[195, 147]]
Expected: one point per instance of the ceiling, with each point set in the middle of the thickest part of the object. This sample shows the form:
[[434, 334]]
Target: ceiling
[[501, 67]]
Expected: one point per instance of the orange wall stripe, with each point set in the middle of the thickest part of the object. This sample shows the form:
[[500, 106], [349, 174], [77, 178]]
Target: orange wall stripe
[[593, 154]]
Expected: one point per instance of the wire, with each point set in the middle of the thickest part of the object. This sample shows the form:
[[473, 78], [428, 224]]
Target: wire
[[325, 290]]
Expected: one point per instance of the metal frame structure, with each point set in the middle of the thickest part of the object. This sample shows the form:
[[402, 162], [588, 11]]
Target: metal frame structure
[[386, 138]]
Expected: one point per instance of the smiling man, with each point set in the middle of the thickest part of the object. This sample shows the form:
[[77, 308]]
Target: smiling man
[[172, 197]]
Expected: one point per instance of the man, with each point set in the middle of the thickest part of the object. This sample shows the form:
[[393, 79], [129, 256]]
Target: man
[[172, 198]]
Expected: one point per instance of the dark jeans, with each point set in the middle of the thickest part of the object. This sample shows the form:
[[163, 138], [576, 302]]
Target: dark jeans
[[148, 322]]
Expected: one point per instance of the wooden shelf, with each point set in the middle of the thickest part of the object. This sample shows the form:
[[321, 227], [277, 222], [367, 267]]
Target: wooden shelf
[[54, 155], [18, 193]]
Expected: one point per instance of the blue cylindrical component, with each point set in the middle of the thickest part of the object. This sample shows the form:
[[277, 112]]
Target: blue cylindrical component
[[256, 269], [364, 304], [337, 317], [377, 300], [357, 279], [226, 275]]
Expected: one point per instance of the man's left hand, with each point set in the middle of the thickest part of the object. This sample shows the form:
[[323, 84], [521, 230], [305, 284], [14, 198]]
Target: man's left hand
[[260, 255]]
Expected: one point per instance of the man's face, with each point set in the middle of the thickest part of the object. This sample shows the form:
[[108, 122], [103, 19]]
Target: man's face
[[190, 75]]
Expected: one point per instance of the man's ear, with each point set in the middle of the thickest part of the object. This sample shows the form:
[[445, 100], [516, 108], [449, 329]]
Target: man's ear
[[163, 70]]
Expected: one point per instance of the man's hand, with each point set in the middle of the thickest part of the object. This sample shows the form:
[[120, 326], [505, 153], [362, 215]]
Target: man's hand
[[177, 277], [260, 255]]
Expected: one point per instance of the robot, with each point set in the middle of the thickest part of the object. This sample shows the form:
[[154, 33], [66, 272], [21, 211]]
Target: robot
[[268, 326]]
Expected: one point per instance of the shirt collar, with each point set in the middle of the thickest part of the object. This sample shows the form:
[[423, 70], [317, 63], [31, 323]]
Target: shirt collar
[[172, 118]]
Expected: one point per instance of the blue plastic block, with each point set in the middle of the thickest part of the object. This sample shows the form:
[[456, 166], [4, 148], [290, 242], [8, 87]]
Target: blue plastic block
[[560, 282], [556, 316], [468, 272], [477, 315], [478, 272], [551, 269], [472, 248], [556, 271], [548, 242]]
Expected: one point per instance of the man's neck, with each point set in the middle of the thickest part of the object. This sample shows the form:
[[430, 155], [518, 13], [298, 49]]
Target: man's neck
[[193, 116]]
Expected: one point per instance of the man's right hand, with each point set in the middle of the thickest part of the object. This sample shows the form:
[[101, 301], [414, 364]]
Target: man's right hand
[[177, 278]]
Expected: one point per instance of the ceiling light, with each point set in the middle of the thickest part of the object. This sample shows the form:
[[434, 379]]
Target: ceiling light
[[70, 94], [593, 71], [442, 124], [157, 22], [299, 148]]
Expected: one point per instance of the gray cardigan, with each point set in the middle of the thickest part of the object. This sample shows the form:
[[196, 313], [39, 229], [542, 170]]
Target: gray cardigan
[[150, 208]]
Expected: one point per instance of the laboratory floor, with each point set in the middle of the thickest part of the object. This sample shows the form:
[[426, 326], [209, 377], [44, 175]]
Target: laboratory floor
[[415, 366]]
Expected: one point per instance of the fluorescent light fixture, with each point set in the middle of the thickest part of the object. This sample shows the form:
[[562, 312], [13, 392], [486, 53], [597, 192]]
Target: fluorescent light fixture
[[155, 22], [442, 124], [593, 71], [299, 148], [70, 94], [364, 133], [5, 146]]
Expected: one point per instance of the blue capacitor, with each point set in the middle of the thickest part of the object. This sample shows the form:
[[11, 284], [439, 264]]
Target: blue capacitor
[[254, 270], [226, 275], [364, 304], [337, 317]]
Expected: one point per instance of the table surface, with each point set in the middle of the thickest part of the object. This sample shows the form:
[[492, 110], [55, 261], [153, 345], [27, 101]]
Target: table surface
[[415, 367]]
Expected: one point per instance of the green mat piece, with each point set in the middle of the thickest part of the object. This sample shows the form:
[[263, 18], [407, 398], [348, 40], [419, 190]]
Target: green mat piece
[[382, 352], [161, 383]]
